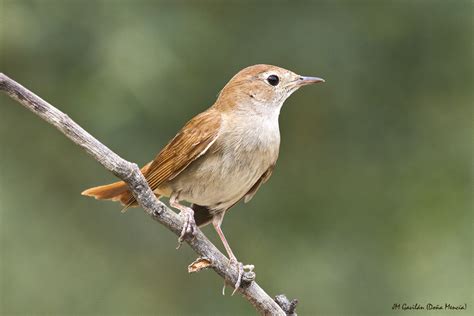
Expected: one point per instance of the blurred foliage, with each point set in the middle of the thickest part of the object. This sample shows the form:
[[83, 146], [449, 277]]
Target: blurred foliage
[[371, 200]]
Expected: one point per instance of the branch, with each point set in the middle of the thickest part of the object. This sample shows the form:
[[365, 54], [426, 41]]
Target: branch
[[130, 173]]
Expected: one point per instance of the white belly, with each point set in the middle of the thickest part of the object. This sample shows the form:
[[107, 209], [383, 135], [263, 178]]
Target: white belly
[[227, 171]]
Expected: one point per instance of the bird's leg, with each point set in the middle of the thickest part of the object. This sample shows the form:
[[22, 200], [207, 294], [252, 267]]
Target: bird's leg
[[216, 222], [189, 226]]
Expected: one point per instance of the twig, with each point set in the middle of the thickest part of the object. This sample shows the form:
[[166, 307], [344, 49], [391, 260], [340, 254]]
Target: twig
[[288, 306], [130, 173]]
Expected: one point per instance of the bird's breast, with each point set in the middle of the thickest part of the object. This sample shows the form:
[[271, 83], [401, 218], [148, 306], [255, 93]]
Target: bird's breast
[[242, 152]]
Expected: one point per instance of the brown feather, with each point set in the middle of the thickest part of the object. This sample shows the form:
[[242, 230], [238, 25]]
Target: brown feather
[[108, 191], [117, 191], [191, 142]]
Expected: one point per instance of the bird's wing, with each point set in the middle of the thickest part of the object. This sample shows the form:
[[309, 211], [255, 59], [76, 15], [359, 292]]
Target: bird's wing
[[264, 178], [190, 143]]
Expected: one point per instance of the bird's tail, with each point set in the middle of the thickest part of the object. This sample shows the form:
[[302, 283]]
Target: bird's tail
[[117, 191]]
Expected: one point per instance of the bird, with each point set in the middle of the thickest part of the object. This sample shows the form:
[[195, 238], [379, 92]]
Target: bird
[[222, 155]]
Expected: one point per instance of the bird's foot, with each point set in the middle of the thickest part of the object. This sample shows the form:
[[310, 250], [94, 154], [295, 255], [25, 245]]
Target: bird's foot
[[189, 226], [245, 273]]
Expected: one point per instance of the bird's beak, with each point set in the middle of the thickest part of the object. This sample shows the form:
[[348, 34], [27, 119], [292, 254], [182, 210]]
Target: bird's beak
[[303, 81]]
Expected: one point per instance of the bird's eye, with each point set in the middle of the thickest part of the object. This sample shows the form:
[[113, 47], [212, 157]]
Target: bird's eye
[[273, 80]]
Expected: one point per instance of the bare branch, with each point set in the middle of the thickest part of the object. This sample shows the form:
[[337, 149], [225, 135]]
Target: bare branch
[[130, 173]]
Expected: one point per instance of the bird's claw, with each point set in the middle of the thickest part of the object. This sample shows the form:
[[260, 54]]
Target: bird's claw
[[241, 268], [189, 227]]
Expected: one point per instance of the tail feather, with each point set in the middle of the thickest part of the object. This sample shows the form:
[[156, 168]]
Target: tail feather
[[117, 191]]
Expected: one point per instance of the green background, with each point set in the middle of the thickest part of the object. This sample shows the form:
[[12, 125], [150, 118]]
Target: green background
[[371, 200]]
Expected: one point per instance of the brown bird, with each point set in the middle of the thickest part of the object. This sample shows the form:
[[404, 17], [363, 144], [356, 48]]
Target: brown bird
[[222, 155]]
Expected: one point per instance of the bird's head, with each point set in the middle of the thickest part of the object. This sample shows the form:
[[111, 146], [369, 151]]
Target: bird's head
[[261, 86]]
